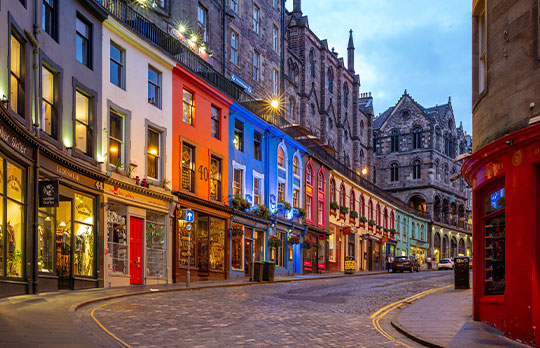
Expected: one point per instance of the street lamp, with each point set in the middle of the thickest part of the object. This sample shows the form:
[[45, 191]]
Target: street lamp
[[364, 171], [274, 104]]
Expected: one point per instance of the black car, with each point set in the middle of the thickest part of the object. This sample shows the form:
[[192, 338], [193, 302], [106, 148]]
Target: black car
[[405, 263]]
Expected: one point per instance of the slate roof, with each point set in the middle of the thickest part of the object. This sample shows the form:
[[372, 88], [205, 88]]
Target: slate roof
[[366, 105], [379, 121]]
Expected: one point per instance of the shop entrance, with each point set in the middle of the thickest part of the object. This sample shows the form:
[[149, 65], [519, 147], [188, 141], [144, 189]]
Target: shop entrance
[[135, 250], [63, 243], [248, 255]]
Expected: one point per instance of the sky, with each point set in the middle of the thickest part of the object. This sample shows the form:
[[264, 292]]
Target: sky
[[423, 46]]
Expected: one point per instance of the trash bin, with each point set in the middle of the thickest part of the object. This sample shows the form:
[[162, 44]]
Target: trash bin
[[461, 272], [257, 267], [349, 264], [268, 271]]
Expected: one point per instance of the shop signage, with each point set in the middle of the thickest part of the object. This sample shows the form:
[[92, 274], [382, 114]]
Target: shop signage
[[322, 237], [346, 230], [349, 265], [66, 173], [384, 240], [48, 193], [421, 244], [247, 88], [14, 142], [135, 197]]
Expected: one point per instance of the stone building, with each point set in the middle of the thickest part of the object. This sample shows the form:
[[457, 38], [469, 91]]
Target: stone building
[[415, 148]]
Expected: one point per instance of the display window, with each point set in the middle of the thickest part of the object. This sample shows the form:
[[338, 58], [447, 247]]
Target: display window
[[494, 242], [237, 245], [156, 245], [46, 240], [117, 239], [258, 242]]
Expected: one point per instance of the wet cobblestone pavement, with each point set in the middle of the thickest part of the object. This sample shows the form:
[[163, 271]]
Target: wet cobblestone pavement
[[319, 313]]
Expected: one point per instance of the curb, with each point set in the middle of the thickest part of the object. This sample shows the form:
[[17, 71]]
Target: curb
[[413, 337], [77, 306]]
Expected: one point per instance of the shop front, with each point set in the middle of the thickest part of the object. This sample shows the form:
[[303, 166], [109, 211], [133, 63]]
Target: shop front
[[315, 251], [137, 232], [373, 253], [203, 243], [286, 255], [334, 249], [419, 250], [248, 239]]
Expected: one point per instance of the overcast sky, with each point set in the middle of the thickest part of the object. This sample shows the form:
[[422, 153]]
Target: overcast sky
[[423, 46]]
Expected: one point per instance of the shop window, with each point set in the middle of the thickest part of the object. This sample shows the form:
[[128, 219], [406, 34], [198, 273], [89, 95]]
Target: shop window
[[117, 240], [215, 178], [237, 245], [83, 39], [117, 69], [154, 87], [116, 139], [494, 245], [49, 112], [18, 74], [156, 246], [257, 141], [238, 140], [153, 154], [84, 236], [238, 179], [50, 18], [332, 246], [217, 244], [258, 242], [280, 251], [46, 241], [257, 182], [83, 123], [188, 168], [214, 119]]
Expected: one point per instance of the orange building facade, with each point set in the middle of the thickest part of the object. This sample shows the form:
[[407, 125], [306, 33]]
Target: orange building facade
[[199, 178]]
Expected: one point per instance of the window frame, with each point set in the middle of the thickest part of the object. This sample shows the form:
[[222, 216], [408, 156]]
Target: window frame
[[257, 145], [121, 65], [160, 166], [191, 168], [89, 39], [234, 5], [260, 177], [156, 86], [92, 114], [238, 131], [394, 172], [275, 82], [15, 31], [122, 158], [417, 169], [202, 25], [242, 185], [275, 38], [52, 6], [234, 38], [215, 121], [219, 181], [57, 72], [256, 59], [256, 19]]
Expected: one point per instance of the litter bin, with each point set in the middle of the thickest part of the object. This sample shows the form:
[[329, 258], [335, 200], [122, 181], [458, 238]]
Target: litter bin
[[268, 271], [257, 268], [349, 264], [461, 272]]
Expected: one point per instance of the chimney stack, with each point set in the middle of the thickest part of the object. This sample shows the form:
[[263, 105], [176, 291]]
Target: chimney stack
[[297, 6]]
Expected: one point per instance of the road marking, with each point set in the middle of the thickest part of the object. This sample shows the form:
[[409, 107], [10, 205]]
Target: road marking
[[381, 313], [104, 328]]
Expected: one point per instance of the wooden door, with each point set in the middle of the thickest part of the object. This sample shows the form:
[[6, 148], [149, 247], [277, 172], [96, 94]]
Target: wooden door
[[135, 250]]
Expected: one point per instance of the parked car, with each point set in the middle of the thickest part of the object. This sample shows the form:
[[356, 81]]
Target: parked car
[[405, 263], [446, 264]]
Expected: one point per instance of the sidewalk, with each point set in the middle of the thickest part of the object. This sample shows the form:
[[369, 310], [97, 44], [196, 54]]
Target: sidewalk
[[444, 319], [45, 320]]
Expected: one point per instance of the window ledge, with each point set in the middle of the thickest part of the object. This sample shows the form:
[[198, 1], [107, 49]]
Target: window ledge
[[492, 299]]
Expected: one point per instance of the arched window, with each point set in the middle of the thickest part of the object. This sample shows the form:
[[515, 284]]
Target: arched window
[[385, 215], [378, 214], [437, 171], [296, 166], [392, 220], [330, 76], [281, 157], [291, 106], [352, 201], [309, 175], [445, 173], [417, 138], [394, 172], [394, 141], [414, 230], [342, 195], [345, 95], [311, 63], [417, 171], [321, 181], [362, 207], [370, 210], [333, 190]]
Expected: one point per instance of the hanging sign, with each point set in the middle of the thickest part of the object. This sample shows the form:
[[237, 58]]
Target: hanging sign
[[346, 230], [48, 193]]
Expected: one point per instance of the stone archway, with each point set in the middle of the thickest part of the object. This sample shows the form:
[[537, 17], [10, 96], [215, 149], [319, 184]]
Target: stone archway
[[453, 247], [461, 247], [437, 246], [418, 202], [444, 251]]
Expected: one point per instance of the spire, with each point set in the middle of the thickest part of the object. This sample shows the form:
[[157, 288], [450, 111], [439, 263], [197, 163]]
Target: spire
[[449, 100], [350, 53]]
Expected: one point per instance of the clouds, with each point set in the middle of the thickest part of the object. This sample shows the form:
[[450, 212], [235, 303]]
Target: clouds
[[419, 45]]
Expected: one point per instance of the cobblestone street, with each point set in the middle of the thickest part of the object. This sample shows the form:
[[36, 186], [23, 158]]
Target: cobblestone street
[[329, 313]]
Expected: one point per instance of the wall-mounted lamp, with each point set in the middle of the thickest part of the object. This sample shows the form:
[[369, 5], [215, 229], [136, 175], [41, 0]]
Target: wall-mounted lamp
[[4, 100]]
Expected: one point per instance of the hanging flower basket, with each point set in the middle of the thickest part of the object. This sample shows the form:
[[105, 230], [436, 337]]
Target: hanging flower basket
[[274, 242], [306, 245], [293, 240], [237, 232]]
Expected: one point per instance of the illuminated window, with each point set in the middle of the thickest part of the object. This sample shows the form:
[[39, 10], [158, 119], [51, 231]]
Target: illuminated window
[[281, 158], [49, 113], [153, 154], [215, 179], [238, 140], [188, 167], [17, 68], [214, 120], [189, 107], [296, 198], [296, 167], [83, 129], [494, 242], [257, 182], [84, 236], [281, 191], [116, 139], [238, 179]]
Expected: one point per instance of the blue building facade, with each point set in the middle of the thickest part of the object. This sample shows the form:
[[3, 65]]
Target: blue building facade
[[265, 167], [411, 236]]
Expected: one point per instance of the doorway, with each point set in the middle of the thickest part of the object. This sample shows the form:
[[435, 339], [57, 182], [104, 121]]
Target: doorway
[[248, 256], [135, 251]]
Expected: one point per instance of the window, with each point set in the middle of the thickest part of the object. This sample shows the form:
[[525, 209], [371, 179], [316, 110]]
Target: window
[[237, 248], [309, 175], [49, 113], [256, 19], [256, 59], [342, 196], [188, 168], [82, 41], [417, 171], [160, 3], [234, 47], [417, 138], [116, 139], [374, 175], [47, 240], [275, 38], [234, 5], [330, 81], [117, 239], [482, 56], [345, 95], [296, 167], [83, 122], [309, 202], [18, 75], [154, 87], [84, 234], [321, 182], [49, 18], [189, 107], [311, 63], [238, 180], [275, 4], [394, 141], [494, 242], [238, 140], [394, 172], [257, 191], [257, 141], [202, 22], [320, 213], [117, 66], [215, 178], [156, 246], [281, 191], [281, 158], [296, 198], [332, 246], [275, 82], [214, 119], [153, 154], [352, 201]]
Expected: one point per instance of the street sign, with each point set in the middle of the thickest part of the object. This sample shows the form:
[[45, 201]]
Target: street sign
[[188, 227], [189, 216]]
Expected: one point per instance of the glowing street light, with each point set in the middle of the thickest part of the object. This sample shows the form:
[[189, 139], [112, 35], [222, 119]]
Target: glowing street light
[[364, 171], [274, 104], [182, 29]]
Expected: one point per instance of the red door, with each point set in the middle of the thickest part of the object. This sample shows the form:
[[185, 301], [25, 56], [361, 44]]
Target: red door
[[135, 250]]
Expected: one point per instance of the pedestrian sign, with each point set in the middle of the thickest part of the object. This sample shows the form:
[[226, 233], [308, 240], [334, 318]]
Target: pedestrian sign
[[189, 216]]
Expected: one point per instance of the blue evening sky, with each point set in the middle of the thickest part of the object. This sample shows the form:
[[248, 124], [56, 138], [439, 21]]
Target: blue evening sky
[[423, 46]]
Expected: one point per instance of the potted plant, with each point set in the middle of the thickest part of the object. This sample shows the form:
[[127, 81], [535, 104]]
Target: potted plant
[[237, 232], [274, 242], [305, 244], [371, 223], [293, 239], [334, 208], [262, 211], [353, 215], [343, 210], [283, 205], [300, 212], [239, 203], [363, 221]]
